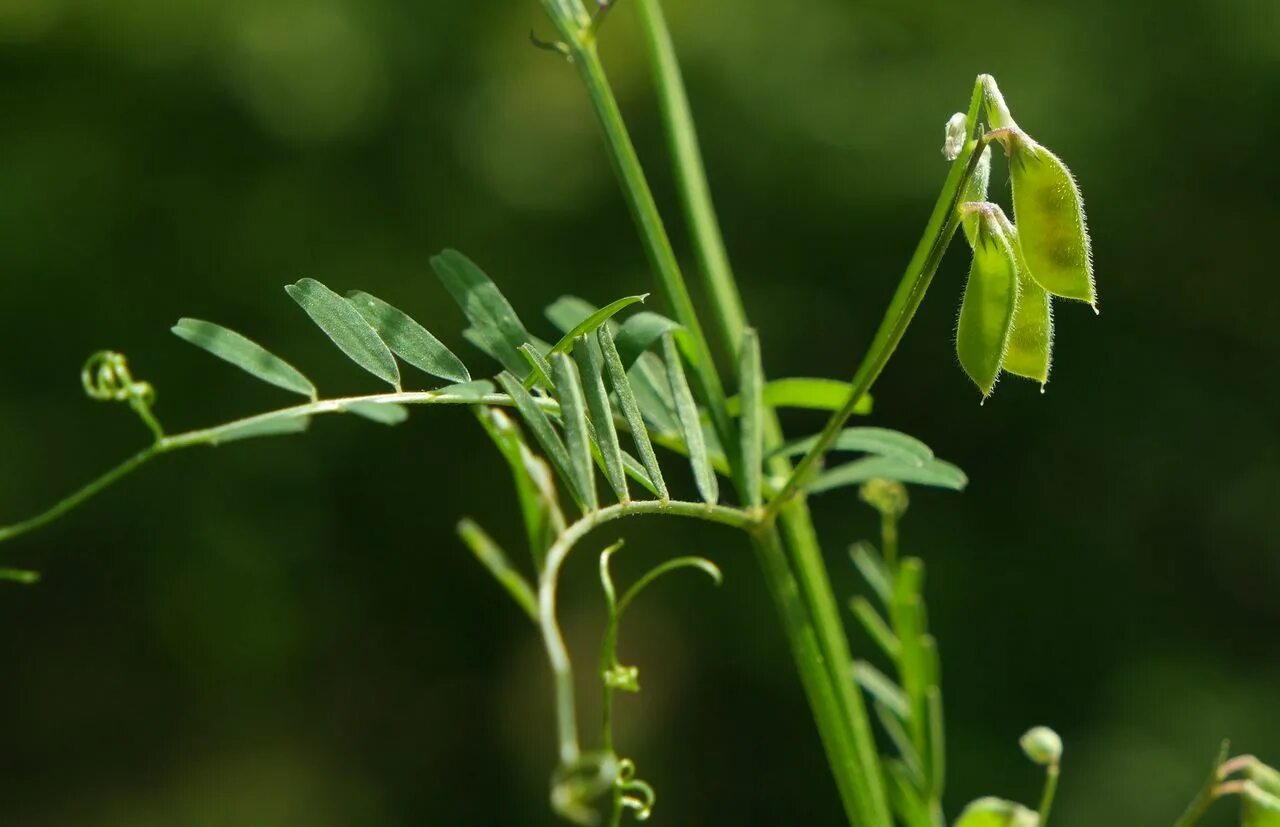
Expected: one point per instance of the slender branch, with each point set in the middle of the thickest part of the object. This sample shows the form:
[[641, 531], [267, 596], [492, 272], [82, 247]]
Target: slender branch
[[69, 503], [906, 301], [1050, 790], [557, 652], [691, 178], [215, 435]]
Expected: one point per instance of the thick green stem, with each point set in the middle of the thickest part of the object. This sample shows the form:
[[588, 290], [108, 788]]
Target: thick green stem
[[847, 766], [864, 786]]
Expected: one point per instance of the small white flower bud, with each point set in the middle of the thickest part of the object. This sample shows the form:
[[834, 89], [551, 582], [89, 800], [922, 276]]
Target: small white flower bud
[[1042, 745]]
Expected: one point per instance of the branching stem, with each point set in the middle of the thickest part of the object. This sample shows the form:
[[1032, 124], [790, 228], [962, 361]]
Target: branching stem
[[557, 652]]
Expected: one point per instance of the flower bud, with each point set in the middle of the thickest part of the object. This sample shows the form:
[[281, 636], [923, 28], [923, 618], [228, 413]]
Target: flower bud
[[990, 299], [1042, 745], [956, 133]]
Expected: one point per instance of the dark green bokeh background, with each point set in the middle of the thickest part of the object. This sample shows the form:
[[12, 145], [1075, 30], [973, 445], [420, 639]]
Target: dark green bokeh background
[[287, 632]]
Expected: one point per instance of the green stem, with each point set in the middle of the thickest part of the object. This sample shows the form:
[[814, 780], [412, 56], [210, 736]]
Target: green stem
[[215, 435], [691, 178], [843, 725], [847, 766], [557, 652], [69, 503], [863, 787], [1050, 790], [906, 300]]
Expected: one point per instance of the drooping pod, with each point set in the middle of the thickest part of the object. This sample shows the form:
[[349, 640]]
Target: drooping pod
[[1047, 208], [1030, 350], [990, 300]]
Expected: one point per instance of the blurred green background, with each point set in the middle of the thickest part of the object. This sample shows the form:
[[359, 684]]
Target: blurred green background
[[287, 632]]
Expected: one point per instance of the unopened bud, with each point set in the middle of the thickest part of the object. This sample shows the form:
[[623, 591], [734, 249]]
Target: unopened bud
[[1042, 745], [957, 132]]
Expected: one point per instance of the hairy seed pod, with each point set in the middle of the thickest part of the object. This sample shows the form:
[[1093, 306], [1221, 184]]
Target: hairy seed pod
[[1047, 207], [990, 300], [1030, 351], [1050, 216]]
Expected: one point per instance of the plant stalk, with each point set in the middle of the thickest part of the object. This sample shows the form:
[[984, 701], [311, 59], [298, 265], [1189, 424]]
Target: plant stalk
[[805, 552]]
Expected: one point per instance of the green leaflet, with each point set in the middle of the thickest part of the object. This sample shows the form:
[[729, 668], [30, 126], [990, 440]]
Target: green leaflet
[[910, 808], [882, 688], [806, 393], [704, 476], [573, 416], [540, 368], [495, 327], [639, 333], [592, 368], [275, 426], [882, 441], [630, 409], [871, 567], [535, 486], [996, 812], [346, 328], [990, 299], [876, 627], [409, 340], [937, 741], [593, 321], [1047, 207], [934, 473], [384, 413], [543, 431], [494, 559], [647, 375], [245, 354], [751, 422], [21, 576]]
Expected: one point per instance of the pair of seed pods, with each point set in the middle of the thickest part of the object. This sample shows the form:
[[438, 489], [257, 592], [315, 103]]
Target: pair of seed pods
[[1006, 320]]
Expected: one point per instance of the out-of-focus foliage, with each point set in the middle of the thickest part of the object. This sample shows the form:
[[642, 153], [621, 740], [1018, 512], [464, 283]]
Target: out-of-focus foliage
[[288, 632]]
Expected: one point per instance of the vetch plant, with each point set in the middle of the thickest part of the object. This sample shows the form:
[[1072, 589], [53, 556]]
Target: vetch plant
[[579, 423]]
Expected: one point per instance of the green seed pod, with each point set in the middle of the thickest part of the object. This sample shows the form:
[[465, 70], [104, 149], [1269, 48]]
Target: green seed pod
[[1030, 352], [1050, 216], [1047, 208], [1042, 745], [990, 300]]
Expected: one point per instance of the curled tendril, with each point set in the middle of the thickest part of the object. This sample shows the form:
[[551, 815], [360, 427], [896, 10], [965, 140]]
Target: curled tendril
[[106, 377], [635, 794], [575, 787]]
